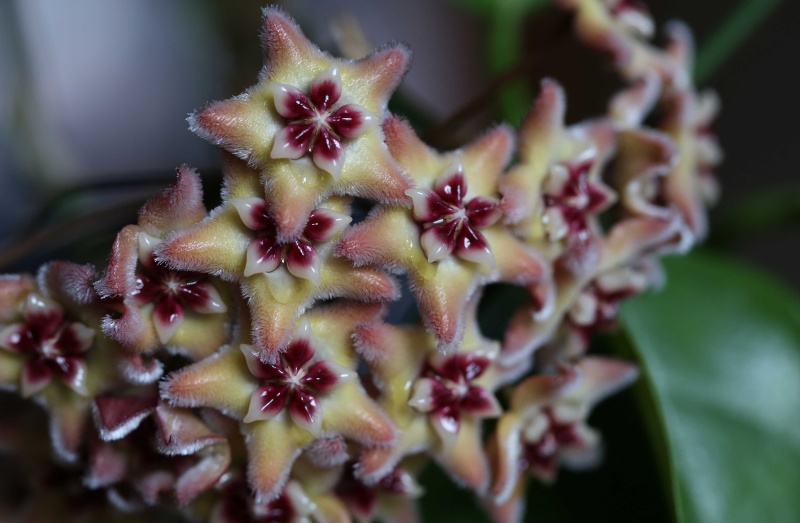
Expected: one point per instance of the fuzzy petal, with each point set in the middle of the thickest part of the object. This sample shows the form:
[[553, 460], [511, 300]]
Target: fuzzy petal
[[465, 458], [357, 417], [272, 448], [221, 381], [117, 416], [177, 207], [508, 450]]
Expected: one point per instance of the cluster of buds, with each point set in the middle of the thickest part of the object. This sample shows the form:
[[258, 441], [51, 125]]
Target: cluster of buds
[[236, 365]]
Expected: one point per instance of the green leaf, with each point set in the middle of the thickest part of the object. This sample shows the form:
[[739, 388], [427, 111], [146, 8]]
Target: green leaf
[[487, 7], [768, 211], [737, 27], [720, 351]]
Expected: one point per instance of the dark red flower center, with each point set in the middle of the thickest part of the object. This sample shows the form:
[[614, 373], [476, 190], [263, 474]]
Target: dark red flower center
[[542, 454]]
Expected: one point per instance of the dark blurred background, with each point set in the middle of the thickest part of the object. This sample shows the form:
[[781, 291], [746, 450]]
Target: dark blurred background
[[93, 97]]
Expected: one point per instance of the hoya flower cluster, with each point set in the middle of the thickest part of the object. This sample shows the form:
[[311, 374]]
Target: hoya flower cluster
[[237, 364]]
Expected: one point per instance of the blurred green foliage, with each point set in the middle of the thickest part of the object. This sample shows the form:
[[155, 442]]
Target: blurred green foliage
[[720, 351]]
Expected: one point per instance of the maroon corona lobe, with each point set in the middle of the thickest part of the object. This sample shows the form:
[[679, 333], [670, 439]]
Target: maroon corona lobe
[[295, 382], [52, 345], [314, 125], [445, 390], [265, 254], [450, 222]]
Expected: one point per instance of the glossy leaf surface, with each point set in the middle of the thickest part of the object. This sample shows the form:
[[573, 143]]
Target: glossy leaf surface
[[720, 348]]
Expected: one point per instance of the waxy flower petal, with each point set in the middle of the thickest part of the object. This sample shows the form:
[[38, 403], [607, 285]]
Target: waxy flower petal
[[313, 125], [50, 345], [310, 125], [224, 244], [440, 243], [155, 305], [293, 381], [290, 400], [436, 400], [546, 425], [556, 193]]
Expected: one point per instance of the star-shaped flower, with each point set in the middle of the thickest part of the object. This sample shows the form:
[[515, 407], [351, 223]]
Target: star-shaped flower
[[171, 292], [626, 250], [546, 427], [52, 346], [295, 382], [597, 305], [49, 350], [450, 243], [281, 279], [556, 193], [645, 225], [155, 305], [309, 127], [451, 222], [447, 388], [437, 401], [315, 124], [308, 392], [265, 253]]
